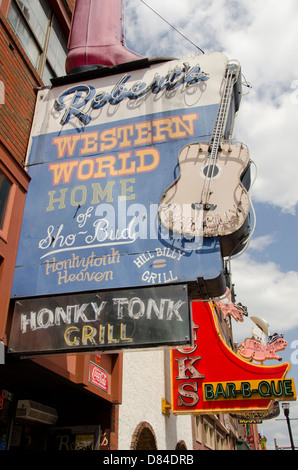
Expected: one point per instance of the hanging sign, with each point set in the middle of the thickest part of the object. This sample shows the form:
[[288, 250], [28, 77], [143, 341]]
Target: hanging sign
[[272, 412], [210, 378], [99, 377], [102, 320], [101, 155]]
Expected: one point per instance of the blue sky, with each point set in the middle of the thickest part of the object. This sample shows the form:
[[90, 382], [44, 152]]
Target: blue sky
[[263, 37]]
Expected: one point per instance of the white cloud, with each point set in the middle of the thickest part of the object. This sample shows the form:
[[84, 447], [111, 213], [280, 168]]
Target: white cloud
[[261, 243], [270, 133], [267, 292]]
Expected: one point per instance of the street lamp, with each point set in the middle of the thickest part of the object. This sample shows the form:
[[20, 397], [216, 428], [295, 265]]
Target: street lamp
[[286, 408]]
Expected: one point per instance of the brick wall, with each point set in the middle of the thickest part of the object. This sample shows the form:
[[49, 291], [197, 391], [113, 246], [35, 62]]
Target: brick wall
[[143, 438], [20, 82], [114, 431]]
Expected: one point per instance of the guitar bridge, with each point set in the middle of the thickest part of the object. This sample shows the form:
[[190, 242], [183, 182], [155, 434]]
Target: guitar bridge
[[205, 206]]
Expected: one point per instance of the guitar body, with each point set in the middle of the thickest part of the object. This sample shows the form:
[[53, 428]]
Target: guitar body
[[210, 198]]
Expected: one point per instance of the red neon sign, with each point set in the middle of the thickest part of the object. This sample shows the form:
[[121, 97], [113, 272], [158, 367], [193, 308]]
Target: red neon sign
[[209, 377]]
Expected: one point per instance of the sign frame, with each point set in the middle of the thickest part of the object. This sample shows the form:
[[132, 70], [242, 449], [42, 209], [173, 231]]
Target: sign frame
[[150, 317]]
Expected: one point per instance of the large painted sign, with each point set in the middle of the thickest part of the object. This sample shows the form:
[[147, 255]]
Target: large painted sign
[[102, 154], [209, 377], [105, 320]]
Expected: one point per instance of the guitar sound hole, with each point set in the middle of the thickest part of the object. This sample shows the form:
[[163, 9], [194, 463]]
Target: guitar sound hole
[[211, 171]]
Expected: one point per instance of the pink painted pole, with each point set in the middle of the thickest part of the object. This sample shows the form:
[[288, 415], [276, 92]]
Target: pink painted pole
[[96, 34]]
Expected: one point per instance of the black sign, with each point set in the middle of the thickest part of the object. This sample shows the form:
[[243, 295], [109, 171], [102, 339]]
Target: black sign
[[102, 320]]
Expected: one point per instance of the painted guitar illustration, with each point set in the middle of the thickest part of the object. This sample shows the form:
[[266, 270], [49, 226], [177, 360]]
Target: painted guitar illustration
[[209, 198]]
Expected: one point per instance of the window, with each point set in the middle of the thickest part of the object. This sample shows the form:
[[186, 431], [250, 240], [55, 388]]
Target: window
[[40, 34], [199, 429], [209, 435], [220, 442], [5, 186]]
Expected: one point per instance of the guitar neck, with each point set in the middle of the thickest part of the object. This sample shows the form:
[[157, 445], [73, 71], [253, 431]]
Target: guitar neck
[[230, 79]]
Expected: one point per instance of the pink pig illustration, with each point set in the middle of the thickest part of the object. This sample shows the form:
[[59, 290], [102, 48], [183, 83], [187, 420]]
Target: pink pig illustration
[[253, 349], [228, 308]]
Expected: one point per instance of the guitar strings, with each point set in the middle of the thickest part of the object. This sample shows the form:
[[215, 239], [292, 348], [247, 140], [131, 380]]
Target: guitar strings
[[216, 134], [211, 159]]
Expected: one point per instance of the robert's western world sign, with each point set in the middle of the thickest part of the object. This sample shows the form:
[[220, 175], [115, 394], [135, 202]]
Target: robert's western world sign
[[101, 155], [143, 317]]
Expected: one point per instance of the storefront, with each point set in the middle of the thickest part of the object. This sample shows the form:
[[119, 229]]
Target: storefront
[[42, 409]]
